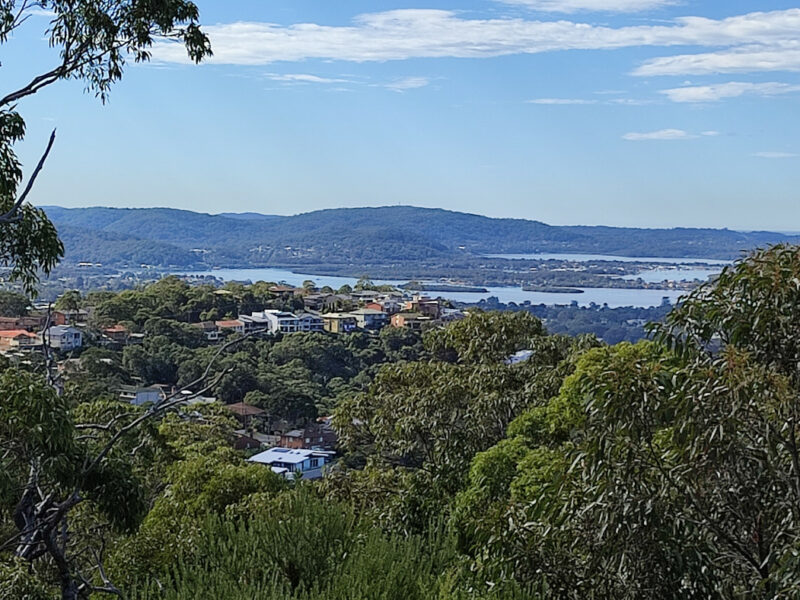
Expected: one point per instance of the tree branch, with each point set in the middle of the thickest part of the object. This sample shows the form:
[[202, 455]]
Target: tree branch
[[11, 214]]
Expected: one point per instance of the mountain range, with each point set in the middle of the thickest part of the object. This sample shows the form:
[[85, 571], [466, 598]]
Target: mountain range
[[169, 237]]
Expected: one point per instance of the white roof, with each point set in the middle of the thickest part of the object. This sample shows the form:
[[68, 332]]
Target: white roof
[[286, 455], [519, 357]]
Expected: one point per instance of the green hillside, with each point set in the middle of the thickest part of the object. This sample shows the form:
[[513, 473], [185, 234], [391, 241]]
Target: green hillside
[[368, 236]]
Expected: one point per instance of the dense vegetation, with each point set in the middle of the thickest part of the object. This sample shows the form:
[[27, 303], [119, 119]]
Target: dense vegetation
[[663, 469], [365, 236]]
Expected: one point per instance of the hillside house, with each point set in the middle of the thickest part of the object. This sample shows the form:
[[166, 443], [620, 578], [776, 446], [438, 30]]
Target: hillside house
[[70, 317], [292, 439], [388, 305], [256, 321], [320, 435], [209, 328], [290, 463], [63, 337], [141, 395], [369, 318], [245, 413], [413, 320], [118, 334], [234, 325], [30, 323], [428, 307], [339, 322], [307, 321], [18, 339]]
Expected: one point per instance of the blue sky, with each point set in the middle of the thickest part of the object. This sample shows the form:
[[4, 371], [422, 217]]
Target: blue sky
[[651, 113]]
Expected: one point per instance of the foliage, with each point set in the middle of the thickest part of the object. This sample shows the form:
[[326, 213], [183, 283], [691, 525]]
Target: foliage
[[13, 304], [484, 337]]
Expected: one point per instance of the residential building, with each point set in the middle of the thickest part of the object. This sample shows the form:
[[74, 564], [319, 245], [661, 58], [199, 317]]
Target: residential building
[[292, 439], [307, 321], [141, 395], [365, 295], [231, 325], [70, 317], [369, 318], [255, 322], [320, 435], [278, 321], [63, 337], [422, 304], [245, 413], [293, 462], [387, 305], [30, 323], [118, 333], [339, 322], [285, 290], [410, 320], [210, 329], [18, 339]]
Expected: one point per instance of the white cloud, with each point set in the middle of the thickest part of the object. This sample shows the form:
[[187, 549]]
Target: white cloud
[[421, 33], [561, 101], [302, 78], [40, 12], [630, 101], [665, 134], [572, 6], [662, 134], [771, 56], [733, 89], [776, 155], [407, 83]]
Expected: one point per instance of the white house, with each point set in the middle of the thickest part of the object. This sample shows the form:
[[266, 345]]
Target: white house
[[289, 462], [141, 395], [256, 321], [309, 322], [63, 337], [281, 321]]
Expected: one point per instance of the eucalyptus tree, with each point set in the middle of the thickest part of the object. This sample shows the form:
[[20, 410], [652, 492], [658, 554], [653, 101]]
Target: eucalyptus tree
[[48, 472], [94, 39]]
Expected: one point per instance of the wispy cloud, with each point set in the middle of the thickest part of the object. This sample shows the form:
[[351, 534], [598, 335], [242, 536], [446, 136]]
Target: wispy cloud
[[40, 12], [303, 78], [732, 89], [407, 83], [776, 155], [665, 134], [561, 101], [419, 33], [584, 101], [573, 6], [770, 55]]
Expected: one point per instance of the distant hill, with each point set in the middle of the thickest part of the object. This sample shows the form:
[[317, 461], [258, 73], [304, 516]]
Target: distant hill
[[358, 236], [248, 216]]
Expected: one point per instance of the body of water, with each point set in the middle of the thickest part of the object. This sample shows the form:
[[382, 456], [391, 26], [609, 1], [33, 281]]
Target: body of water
[[613, 297], [608, 257]]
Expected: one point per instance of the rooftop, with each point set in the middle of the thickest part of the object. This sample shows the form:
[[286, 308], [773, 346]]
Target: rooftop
[[244, 410], [287, 456], [12, 333]]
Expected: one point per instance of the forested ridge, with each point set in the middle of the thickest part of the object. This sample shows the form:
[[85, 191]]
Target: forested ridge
[[364, 236]]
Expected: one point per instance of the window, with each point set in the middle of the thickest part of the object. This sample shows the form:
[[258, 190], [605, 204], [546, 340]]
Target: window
[[314, 463]]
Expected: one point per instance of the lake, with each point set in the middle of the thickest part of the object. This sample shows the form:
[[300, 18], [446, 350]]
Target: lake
[[608, 257], [613, 297]]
